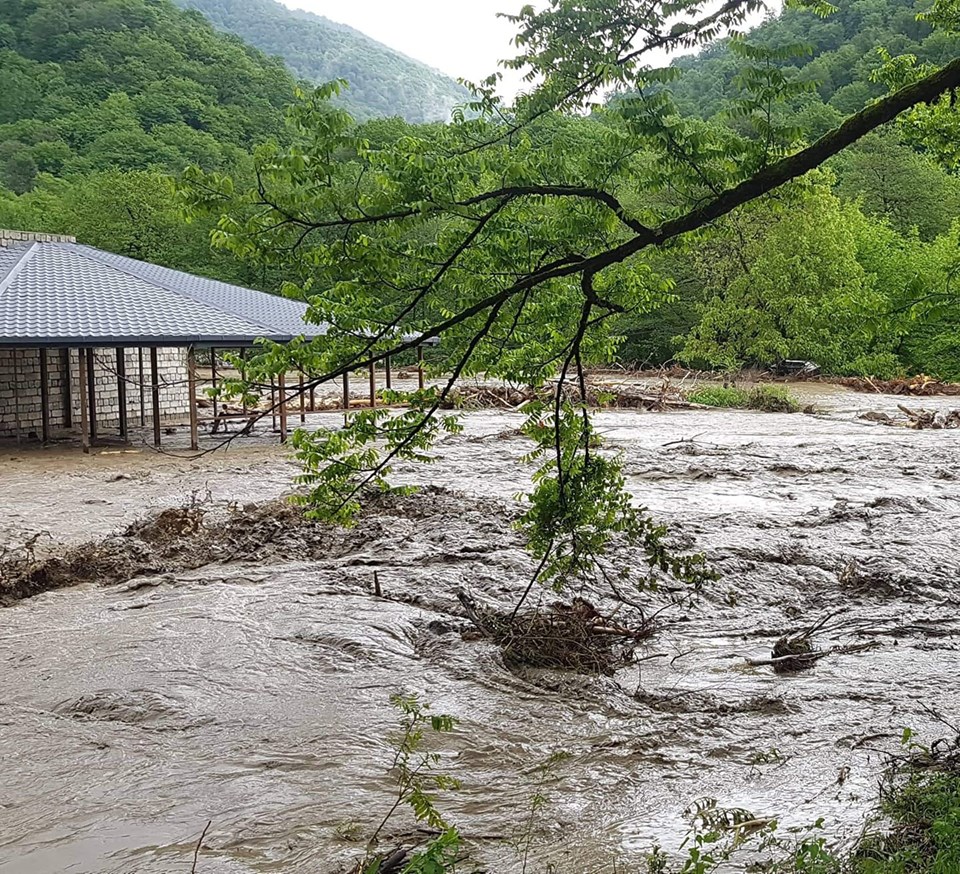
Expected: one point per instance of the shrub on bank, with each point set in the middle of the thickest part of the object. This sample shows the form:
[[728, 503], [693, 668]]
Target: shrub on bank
[[768, 398]]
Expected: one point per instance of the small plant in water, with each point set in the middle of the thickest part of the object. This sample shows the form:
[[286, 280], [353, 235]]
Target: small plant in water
[[415, 771]]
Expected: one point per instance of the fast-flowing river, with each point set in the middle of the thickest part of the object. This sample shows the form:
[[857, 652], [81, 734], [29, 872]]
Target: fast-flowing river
[[255, 694]]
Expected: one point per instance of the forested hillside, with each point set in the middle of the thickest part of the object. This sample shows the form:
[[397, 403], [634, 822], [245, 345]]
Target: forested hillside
[[94, 85], [383, 82], [102, 99], [837, 54], [857, 274]]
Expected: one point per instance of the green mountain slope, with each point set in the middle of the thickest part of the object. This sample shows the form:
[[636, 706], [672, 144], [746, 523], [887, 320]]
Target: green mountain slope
[[94, 85], [383, 82], [843, 55]]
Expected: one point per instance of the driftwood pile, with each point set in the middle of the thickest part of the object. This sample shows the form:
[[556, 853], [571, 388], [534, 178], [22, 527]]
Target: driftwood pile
[[573, 637], [914, 386], [602, 395], [798, 652], [918, 420]]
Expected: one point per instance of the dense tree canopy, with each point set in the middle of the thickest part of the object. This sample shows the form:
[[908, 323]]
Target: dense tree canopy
[[95, 85]]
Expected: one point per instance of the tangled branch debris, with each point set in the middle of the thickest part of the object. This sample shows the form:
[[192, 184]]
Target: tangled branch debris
[[624, 396], [797, 652], [918, 420], [915, 386], [572, 636]]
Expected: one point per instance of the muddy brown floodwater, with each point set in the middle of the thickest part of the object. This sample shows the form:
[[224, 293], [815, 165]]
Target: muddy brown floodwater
[[255, 693]]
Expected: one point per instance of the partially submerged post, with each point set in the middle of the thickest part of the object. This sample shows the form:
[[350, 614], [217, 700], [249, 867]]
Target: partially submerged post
[[213, 384], [389, 378], [301, 390], [44, 397], [420, 367], [84, 432], [16, 393], [143, 390], [282, 384], [155, 394], [66, 393], [373, 384], [91, 396], [192, 398], [273, 403], [122, 391]]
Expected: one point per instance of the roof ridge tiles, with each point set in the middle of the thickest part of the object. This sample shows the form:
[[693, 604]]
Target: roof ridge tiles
[[26, 254]]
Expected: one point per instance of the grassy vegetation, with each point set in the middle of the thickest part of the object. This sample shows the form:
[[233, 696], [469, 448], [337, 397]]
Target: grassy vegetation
[[769, 398], [924, 825]]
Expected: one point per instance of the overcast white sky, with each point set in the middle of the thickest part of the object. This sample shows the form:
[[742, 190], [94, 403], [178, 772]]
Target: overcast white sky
[[463, 38]]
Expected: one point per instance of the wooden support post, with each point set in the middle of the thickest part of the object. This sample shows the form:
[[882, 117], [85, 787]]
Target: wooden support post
[[389, 377], [92, 397], [84, 431], [282, 384], [44, 397], [16, 393], [66, 390], [243, 376], [192, 398], [346, 391], [313, 398], [122, 391], [373, 384], [273, 403], [155, 394], [303, 400], [420, 367], [143, 390], [213, 382]]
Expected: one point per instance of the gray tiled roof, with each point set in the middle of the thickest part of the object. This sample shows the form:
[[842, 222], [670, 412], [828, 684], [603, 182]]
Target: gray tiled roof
[[67, 294], [278, 314]]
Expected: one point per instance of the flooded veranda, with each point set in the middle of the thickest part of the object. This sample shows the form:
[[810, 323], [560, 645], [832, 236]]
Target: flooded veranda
[[253, 691]]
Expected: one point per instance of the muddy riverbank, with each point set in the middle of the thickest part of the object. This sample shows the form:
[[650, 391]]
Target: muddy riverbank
[[252, 691]]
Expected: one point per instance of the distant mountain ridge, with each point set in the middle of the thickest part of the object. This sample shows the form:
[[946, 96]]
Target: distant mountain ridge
[[383, 82]]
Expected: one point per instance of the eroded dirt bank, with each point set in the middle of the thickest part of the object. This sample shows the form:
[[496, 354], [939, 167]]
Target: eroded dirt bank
[[254, 692]]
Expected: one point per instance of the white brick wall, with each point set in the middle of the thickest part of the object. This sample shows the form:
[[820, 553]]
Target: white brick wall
[[15, 238], [20, 388]]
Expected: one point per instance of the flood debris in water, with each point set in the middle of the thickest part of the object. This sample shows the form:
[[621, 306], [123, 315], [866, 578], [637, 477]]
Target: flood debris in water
[[799, 652], [631, 396], [918, 420], [573, 637], [920, 385]]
